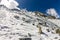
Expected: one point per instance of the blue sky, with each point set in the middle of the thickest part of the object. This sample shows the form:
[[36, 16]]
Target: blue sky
[[39, 5]]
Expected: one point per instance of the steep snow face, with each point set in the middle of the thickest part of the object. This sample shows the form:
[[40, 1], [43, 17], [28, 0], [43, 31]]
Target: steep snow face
[[15, 25], [55, 21]]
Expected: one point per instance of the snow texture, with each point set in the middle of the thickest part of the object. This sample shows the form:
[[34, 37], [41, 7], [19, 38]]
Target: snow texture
[[23, 24]]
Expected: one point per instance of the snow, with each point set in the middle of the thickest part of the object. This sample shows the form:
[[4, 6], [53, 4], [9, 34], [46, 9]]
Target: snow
[[55, 21], [11, 4], [21, 24]]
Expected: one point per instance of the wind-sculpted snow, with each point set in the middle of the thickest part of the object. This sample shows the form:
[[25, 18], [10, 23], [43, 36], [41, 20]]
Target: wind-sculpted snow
[[11, 4], [16, 25]]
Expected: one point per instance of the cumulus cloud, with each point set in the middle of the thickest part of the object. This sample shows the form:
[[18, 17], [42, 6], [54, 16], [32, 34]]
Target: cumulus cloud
[[11, 4], [52, 12]]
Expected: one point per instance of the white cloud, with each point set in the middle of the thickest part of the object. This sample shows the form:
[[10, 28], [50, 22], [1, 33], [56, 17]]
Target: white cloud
[[52, 12], [11, 4]]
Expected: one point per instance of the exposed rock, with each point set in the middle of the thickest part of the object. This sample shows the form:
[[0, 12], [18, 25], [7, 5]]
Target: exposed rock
[[17, 17], [58, 31]]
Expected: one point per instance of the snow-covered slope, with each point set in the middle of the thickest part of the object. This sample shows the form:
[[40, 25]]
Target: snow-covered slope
[[55, 21], [16, 24]]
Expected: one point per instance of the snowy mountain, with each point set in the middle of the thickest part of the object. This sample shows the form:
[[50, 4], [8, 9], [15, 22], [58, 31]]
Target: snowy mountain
[[19, 24]]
